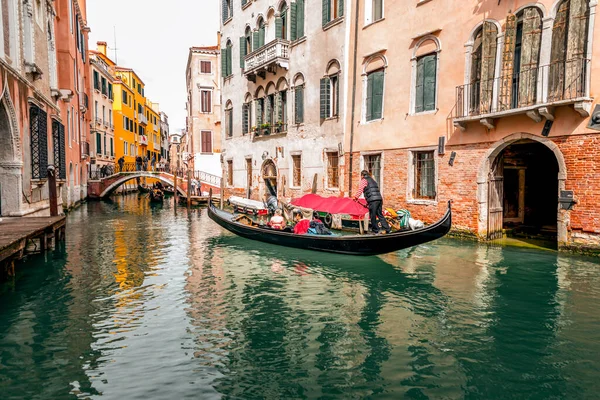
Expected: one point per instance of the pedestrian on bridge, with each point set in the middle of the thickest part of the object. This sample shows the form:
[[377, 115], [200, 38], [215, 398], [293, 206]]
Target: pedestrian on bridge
[[121, 162], [138, 163], [153, 162]]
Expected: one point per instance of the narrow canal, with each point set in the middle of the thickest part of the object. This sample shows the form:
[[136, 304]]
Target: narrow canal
[[146, 303]]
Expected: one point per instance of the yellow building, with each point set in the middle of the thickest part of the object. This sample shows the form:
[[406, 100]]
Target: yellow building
[[136, 119]]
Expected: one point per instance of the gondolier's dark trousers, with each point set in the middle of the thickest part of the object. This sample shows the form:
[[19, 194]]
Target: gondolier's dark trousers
[[376, 214]]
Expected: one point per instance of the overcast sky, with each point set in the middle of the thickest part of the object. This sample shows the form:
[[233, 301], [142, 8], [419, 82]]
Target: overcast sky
[[153, 38]]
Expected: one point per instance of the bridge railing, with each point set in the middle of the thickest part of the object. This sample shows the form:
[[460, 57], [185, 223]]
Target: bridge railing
[[207, 178]]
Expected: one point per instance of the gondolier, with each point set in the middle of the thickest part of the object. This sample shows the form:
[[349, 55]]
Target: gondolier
[[370, 189]]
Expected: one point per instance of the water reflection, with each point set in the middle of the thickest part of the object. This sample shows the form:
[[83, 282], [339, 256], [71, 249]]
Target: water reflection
[[192, 311]]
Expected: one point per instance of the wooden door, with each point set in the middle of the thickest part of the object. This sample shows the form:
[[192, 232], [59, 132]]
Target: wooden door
[[496, 199]]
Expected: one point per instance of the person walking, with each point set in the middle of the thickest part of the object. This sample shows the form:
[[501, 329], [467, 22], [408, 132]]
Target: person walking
[[153, 162], [121, 162], [138, 163], [145, 163], [370, 189]]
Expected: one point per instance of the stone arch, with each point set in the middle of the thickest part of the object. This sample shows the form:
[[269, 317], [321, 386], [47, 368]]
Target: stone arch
[[479, 25], [270, 176], [298, 79], [485, 168], [113, 186], [424, 39], [539, 6], [270, 88], [11, 125], [375, 62], [333, 67], [282, 84], [260, 92], [11, 179]]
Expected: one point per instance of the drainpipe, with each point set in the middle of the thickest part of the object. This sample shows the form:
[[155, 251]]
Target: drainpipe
[[353, 99]]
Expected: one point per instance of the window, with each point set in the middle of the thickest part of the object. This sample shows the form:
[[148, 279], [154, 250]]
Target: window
[[110, 91], [281, 104], [483, 63], [104, 87], [249, 174], [206, 138], [110, 118], [281, 23], [426, 83], [374, 98], [205, 67], [124, 97], [38, 120], [125, 148], [132, 149], [568, 59], [227, 9], [297, 20], [226, 57], [104, 115], [296, 170], [258, 39], [105, 147], [330, 92], [96, 108], [205, 100], [332, 10], [373, 11], [58, 137], [373, 165], [229, 119], [230, 172], [246, 116], [333, 170], [71, 15], [260, 106], [112, 150], [424, 180], [96, 80]]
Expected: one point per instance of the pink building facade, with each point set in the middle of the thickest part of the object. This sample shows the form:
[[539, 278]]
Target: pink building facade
[[489, 104]]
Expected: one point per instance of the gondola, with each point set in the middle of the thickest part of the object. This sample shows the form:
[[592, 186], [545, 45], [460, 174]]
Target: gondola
[[143, 189], [156, 196], [359, 245]]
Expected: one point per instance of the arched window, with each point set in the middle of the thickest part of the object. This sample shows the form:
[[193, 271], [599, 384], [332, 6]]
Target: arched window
[[330, 91], [259, 35], [270, 105], [229, 119], [299, 98], [520, 59], [373, 84], [281, 106], [227, 10], [281, 23], [568, 61], [259, 107], [226, 60], [245, 46], [483, 67], [425, 69]]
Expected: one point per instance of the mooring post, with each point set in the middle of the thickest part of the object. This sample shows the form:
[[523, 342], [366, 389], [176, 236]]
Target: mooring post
[[52, 191], [189, 185], [175, 188], [221, 191]]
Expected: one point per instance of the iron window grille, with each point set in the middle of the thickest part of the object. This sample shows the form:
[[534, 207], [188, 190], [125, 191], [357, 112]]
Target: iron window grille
[[39, 142], [424, 166], [333, 170], [58, 139]]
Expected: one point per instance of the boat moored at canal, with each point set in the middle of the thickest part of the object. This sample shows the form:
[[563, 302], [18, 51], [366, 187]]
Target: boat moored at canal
[[360, 245]]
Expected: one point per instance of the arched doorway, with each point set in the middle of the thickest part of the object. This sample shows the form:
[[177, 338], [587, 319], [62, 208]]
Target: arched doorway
[[269, 175], [10, 164], [518, 188]]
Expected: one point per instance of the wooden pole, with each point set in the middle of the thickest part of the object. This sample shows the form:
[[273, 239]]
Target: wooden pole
[[189, 186], [221, 192], [175, 188], [52, 191]]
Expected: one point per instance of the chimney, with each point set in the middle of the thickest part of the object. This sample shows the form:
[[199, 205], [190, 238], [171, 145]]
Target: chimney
[[101, 47], [219, 40]]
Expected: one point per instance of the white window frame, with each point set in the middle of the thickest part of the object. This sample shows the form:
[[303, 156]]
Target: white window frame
[[365, 85], [369, 12], [327, 186], [211, 90], [212, 141], [410, 181], [200, 67]]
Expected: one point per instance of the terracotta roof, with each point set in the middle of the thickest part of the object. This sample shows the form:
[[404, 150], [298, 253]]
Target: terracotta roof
[[205, 48]]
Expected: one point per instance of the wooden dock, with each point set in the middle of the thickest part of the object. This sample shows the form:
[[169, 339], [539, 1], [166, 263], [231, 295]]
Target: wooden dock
[[197, 200], [16, 233]]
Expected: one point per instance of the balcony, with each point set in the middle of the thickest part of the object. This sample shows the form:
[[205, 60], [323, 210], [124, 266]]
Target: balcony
[[99, 121], [267, 58], [535, 92], [142, 119], [143, 139], [268, 130], [83, 102], [85, 150], [156, 146]]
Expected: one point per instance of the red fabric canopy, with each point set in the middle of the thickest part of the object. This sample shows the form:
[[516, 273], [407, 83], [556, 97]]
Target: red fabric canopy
[[332, 205]]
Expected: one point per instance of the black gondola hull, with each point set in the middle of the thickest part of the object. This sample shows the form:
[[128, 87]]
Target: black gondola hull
[[363, 245]]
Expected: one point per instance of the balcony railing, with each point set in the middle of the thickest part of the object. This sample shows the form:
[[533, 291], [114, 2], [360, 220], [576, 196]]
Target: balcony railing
[[85, 149], [143, 139], [99, 121], [142, 119], [266, 131], [83, 101], [529, 92], [272, 54]]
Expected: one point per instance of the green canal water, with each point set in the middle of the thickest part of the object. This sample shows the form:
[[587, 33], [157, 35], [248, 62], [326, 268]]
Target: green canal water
[[146, 303]]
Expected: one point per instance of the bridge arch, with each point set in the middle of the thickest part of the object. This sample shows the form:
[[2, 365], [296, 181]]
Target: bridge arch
[[124, 178]]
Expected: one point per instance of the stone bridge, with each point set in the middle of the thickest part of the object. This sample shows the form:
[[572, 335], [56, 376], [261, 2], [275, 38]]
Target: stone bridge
[[101, 188]]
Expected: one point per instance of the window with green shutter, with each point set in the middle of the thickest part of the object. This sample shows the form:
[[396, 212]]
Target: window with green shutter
[[426, 83], [374, 100], [98, 144], [325, 97], [332, 10], [245, 118], [299, 104], [242, 50], [96, 80], [259, 112], [326, 12]]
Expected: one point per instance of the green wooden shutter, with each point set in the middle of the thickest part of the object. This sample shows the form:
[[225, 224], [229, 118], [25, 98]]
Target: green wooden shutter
[[300, 13], [377, 95], [245, 119], [98, 143], [258, 113], [337, 96], [261, 36], [279, 102], [429, 82], [340, 8], [242, 50], [268, 106], [229, 60], [293, 22], [419, 85], [278, 28], [254, 40], [224, 62], [325, 97], [299, 105], [112, 150], [369, 101], [225, 10], [326, 11], [508, 55]]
